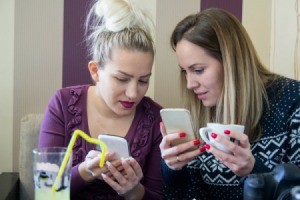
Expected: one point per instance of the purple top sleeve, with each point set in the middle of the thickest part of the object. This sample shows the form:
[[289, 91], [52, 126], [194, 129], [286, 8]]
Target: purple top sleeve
[[66, 112]]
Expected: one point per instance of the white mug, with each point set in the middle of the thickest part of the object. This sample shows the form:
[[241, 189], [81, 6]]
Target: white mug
[[219, 129]]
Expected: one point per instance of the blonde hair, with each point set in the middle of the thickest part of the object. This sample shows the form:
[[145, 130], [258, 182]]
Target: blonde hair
[[117, 23], [243, 94]]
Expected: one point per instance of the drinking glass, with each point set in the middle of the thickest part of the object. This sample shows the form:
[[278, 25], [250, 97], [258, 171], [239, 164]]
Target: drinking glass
[[46, 165]]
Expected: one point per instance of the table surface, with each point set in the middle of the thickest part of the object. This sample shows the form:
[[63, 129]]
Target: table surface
[[9, 185]]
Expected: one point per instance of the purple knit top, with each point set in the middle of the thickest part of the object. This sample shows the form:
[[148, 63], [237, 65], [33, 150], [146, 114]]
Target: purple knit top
[[67, 111]]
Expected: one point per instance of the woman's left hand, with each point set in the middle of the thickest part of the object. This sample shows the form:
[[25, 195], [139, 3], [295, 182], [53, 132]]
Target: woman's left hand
[[126, 182], [240, 160]]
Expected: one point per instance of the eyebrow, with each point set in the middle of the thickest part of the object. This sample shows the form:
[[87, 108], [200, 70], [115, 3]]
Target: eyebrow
[[145, 76], [189, 67]]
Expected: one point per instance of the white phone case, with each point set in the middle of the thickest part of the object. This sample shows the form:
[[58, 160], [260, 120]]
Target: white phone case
[[117, 144], [178, 120]]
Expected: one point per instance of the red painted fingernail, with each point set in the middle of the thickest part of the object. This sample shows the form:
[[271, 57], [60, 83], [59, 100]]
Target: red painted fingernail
[[227, 132], [214, 135], [207, 146], [202, 149], [182, 134], [196, 142]]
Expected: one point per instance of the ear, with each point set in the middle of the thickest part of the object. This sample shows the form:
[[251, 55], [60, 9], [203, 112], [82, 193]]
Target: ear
[[93, 68]]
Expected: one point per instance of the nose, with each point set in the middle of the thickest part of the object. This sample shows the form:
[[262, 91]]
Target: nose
[[132, 90], [191, 82]]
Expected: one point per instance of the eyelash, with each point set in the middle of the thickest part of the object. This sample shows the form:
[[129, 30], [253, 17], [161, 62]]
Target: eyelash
[[121, 79], [125, 80], [197, 71], [143, 82]]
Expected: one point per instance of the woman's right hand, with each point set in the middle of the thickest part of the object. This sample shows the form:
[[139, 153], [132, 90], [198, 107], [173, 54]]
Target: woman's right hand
[[178, 156], [89, 169]]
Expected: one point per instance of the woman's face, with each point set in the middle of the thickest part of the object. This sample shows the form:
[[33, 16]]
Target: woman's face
[[124, 80], [204, 74]]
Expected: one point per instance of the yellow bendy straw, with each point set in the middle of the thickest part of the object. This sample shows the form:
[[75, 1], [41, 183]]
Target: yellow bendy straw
[[69, 150]]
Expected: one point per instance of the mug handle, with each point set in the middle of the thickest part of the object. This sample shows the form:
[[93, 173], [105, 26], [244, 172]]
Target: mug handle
[[203, 134]]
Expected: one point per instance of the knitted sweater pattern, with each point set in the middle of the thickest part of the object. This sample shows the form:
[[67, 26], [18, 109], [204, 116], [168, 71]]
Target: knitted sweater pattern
[[207, 178]]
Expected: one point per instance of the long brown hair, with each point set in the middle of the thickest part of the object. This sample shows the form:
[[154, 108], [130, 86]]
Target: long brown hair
[[243, 93]]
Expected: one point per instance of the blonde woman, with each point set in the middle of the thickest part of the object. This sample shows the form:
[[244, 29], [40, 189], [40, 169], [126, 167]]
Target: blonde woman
[[122, 50], [224, 81]]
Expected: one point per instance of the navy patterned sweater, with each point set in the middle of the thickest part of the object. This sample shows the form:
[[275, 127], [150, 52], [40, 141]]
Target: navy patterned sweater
[[207, 178]]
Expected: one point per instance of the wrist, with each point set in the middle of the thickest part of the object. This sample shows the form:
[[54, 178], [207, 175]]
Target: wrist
[[136, 193], [85, 174]]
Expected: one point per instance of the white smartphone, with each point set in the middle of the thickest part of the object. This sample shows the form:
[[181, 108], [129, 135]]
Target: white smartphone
[[178, 120], [115, 143]]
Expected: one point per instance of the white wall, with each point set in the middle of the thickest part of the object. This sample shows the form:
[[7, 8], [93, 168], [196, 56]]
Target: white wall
[[31, 54], [168, 14], [37, 59], [31, 66], [150, 6], [257, 21], [272, 26], [6, 83], [285, 49]]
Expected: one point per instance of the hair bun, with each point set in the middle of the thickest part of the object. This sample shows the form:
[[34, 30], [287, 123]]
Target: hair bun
[[117, 22], [117, 15]]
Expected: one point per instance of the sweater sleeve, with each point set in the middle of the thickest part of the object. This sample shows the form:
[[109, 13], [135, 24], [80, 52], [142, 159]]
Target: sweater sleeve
[[174, 178], [152, 181], [53, 133], [285, 121], [175, 182], [259, 166], [186, 183], [293, 150]]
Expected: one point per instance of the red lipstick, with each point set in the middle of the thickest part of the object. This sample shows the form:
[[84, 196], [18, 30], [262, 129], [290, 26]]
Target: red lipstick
[[127, 104]]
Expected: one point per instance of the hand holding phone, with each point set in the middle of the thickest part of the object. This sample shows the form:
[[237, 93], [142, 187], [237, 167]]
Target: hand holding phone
[[178, 120], [116, 144]]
